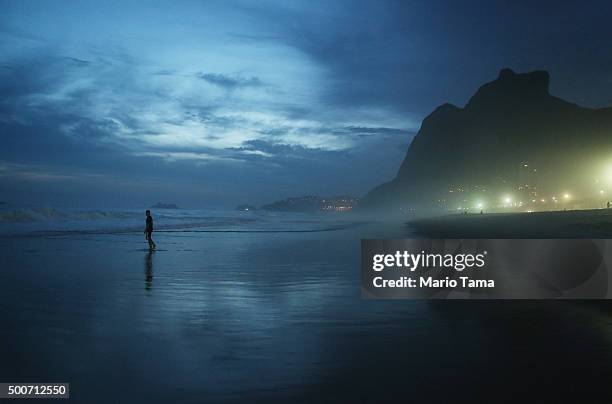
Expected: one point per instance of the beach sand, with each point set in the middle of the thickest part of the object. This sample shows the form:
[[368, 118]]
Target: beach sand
[[596, 223], [273, 317]]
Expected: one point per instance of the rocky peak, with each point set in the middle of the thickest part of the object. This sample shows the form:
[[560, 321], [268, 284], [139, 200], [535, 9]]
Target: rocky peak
[[512, 88]]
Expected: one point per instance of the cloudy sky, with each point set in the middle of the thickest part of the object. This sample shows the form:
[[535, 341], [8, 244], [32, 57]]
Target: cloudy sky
[[210, 103]]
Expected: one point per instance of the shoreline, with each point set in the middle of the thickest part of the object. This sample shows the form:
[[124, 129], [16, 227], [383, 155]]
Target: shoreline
[[593, 223]]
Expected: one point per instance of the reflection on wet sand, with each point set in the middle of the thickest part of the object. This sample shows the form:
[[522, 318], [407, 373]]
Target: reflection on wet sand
[[149, 270], [260, 313]]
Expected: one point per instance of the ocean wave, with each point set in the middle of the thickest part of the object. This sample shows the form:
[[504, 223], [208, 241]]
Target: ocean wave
[[56, 222], [192, 228], [37, 214]]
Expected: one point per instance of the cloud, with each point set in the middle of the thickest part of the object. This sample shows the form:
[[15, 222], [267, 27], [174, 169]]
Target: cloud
[[378, 131], [78, 62], [262, 149], [230, 82], [257, 120], [33, 172], [189, 156]]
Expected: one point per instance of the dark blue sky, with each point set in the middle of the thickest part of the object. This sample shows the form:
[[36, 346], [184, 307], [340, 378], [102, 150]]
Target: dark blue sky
[[218, 103]]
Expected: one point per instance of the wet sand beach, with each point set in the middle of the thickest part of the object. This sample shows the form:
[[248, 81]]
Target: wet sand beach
[[211, 317], [596, 223]]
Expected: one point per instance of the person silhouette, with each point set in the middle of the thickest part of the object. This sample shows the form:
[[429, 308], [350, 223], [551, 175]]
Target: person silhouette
[[608, 205], [149, 230]]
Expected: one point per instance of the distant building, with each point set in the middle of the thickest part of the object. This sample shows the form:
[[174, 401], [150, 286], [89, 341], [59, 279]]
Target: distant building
[[338, 204], [527, 180], [312, 203]]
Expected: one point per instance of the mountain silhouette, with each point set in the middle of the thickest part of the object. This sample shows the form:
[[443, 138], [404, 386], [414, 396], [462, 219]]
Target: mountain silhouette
[[508, 123]]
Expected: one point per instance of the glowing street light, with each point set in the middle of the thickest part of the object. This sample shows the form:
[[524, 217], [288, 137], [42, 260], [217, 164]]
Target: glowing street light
[[566, 196]]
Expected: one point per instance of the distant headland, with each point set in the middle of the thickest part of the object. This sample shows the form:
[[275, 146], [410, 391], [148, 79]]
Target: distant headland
[[246, 208], [160, 205], [311, 203]]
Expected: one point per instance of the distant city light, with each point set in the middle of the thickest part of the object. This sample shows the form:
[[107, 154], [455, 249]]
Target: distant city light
[[479, 205], [608, 174], [507, 200], [566, 196]]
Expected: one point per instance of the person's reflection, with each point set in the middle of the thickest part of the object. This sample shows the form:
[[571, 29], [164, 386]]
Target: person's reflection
[[149, 270]]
